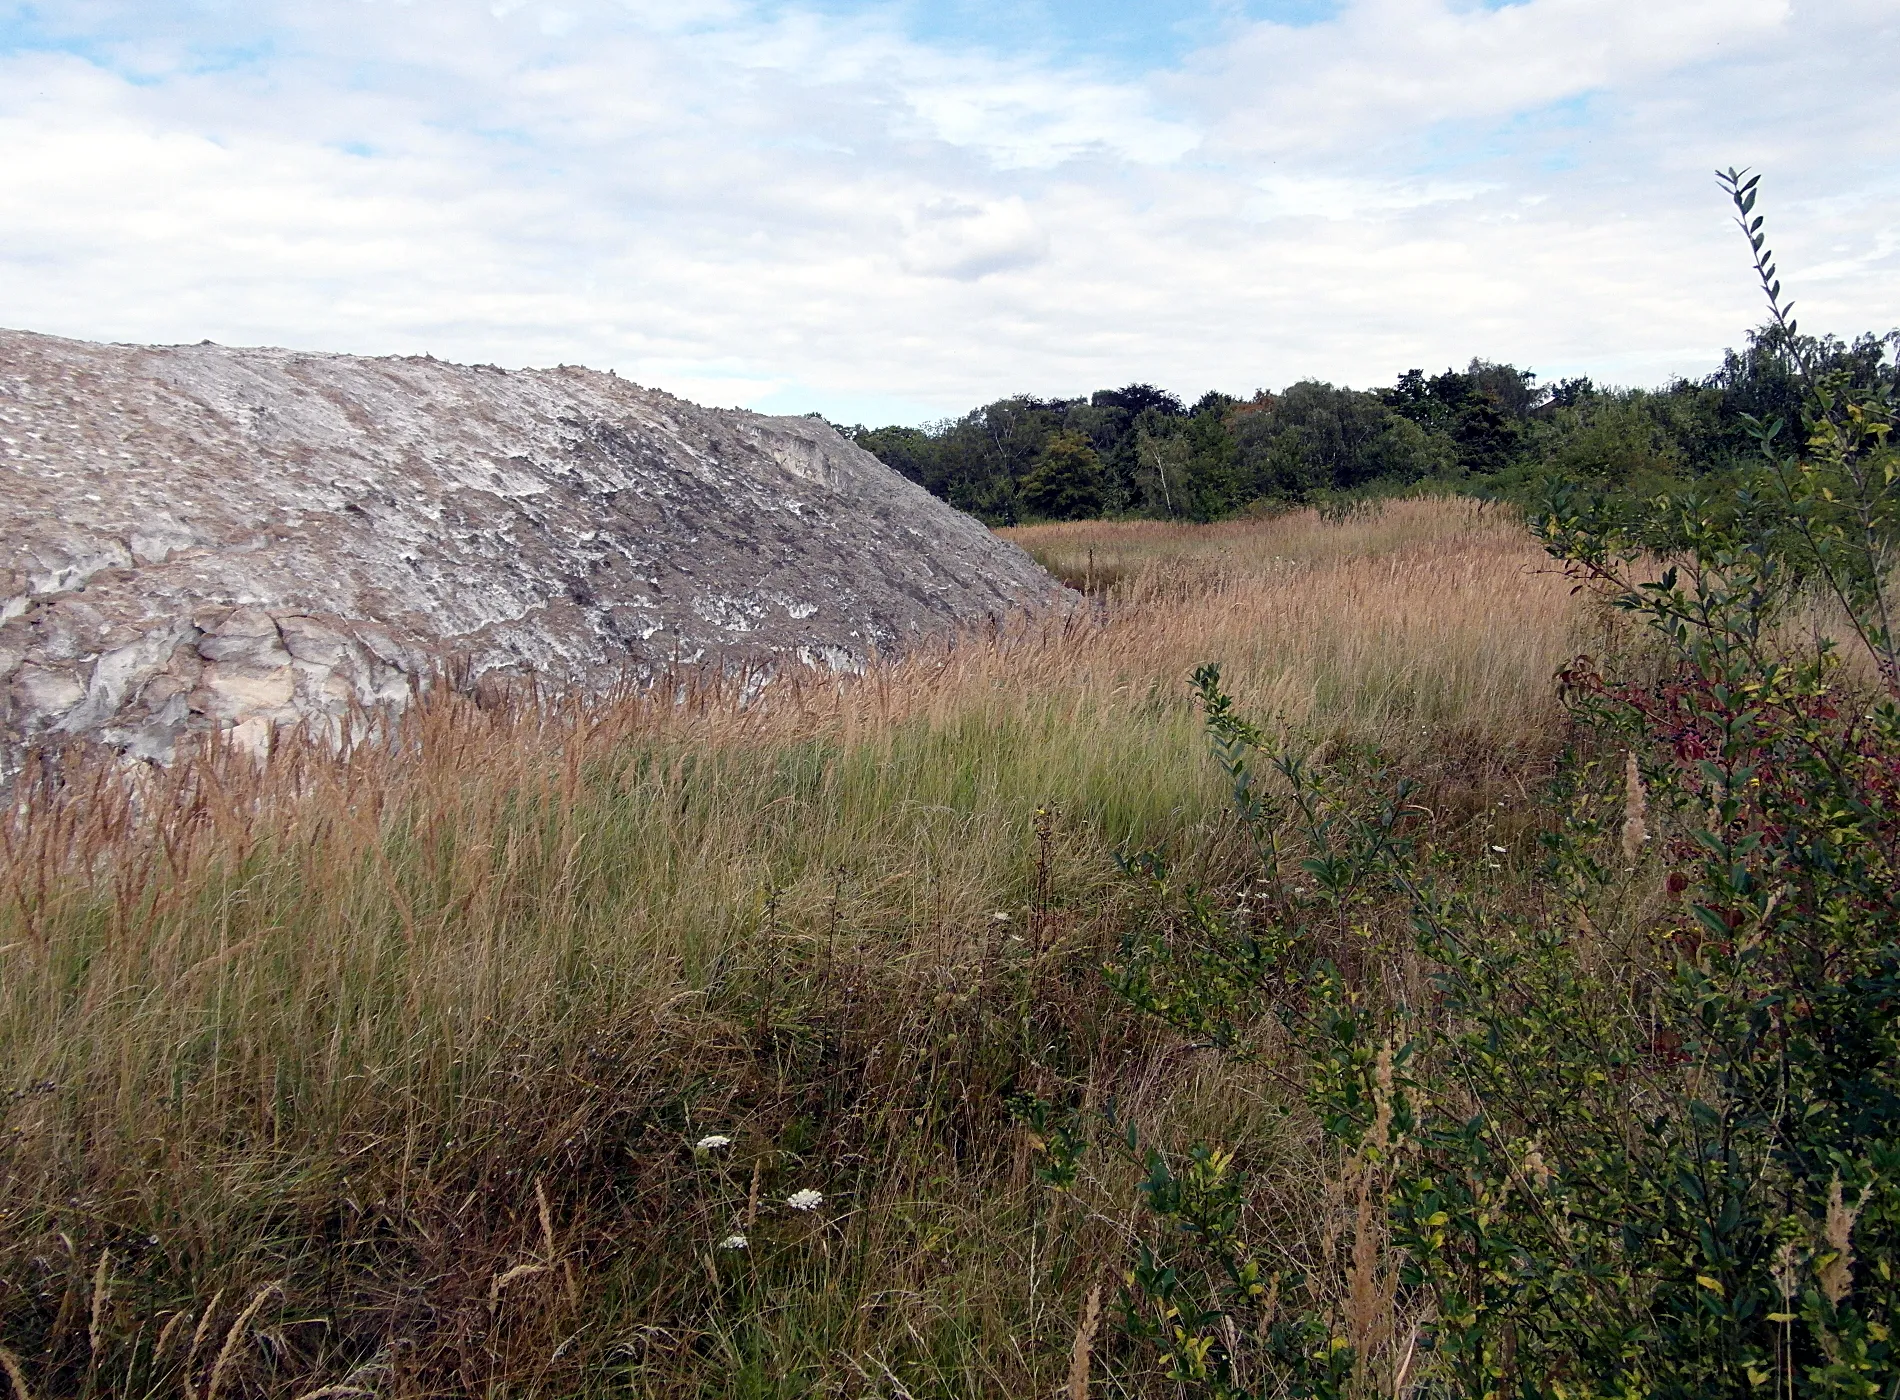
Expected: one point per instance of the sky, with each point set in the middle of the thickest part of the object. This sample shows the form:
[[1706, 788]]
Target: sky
[[892, 212]]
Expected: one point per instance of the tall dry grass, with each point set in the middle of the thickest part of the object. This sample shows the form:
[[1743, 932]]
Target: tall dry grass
[[1427, 628], [422, 1036]]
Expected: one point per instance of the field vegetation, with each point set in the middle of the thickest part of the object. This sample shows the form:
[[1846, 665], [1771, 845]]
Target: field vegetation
[[1408, 946], [387, 1073]]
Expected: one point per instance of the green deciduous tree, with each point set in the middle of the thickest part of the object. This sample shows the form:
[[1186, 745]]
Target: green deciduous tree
[[1066, 482]]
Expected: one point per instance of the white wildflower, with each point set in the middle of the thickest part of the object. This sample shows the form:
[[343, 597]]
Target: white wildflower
[[1501, 850], [712, 1143], [1001, 916], [807, 1199], [733, 1242]]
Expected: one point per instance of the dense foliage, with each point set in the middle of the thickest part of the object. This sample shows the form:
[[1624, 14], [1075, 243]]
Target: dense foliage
[[1140, 451]]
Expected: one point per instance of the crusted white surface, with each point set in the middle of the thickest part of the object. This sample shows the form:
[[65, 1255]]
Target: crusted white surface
[[196, 537]]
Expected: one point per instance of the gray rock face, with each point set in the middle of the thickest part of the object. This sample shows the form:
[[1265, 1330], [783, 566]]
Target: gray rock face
[[197, 537]]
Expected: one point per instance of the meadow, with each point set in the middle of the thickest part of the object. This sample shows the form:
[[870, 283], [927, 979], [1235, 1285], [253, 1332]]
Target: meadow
[[491, 1058]]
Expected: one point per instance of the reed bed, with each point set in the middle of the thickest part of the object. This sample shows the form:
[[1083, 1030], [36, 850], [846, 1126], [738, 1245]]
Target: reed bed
[[383, 1070]]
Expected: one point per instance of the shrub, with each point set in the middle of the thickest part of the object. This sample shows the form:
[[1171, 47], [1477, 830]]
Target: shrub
[[1622, 1120]]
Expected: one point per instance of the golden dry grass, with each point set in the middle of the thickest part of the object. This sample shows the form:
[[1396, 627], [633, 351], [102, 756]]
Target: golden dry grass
[[1426, 622], [392, 1029]]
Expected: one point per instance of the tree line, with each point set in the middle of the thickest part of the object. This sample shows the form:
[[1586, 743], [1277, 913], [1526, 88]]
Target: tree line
[[1490, 427]]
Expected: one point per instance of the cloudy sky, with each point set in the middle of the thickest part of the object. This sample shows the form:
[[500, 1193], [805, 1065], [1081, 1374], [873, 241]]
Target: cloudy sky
[[893, 211]]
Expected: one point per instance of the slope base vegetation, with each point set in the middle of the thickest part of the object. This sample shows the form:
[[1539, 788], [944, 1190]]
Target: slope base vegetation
[[497, 1057]]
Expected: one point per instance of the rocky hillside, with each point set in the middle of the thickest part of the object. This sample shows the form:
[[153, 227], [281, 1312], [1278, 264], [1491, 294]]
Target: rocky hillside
[[195, 537]]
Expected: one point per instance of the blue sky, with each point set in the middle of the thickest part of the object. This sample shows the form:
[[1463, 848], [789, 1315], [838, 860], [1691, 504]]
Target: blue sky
[[893, 211], [1127, 34]]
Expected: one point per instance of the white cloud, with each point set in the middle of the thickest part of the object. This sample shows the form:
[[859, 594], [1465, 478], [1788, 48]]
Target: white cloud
[[947, 238], [798, 210], [1389, 67]]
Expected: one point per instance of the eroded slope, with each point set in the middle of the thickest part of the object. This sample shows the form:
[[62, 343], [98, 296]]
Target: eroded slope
[[196, 537]]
